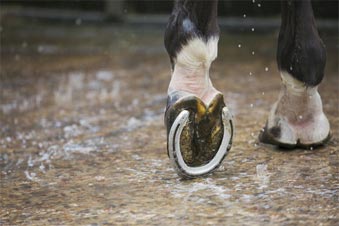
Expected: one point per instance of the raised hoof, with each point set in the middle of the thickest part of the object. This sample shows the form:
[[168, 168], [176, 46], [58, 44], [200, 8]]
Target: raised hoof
[[198, 136]]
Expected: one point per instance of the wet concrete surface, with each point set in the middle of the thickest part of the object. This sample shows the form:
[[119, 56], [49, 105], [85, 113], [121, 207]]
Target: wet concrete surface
[[83, 142]]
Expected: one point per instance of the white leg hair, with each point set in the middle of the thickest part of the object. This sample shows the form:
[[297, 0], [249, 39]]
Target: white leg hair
[[191, 70]]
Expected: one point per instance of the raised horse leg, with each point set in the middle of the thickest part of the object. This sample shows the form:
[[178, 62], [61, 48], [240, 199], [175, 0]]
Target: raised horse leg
[[199, 126], [297, 118]]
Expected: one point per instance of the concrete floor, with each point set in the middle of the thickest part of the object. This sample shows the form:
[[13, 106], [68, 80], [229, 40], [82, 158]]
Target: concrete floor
[[82, 139]]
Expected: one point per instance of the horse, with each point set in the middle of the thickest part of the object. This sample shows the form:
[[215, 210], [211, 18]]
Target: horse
[[199, 123]]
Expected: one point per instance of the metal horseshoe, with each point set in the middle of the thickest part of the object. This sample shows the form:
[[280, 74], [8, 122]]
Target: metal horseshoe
[[174, 146]]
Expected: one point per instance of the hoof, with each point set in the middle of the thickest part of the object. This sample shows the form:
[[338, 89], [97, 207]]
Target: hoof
[[297, 119], [272, 136], [198, 136]]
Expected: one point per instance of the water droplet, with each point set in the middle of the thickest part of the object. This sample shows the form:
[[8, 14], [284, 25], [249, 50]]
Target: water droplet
[[252, 29], [252, 134], [250, 73], [300, 117], [251, 105], [263, 93], [266, 68], [42, 167], [239, 45], [259, 5], [99, 178], [311, 148], [291, 68], [253, 1], [78, 21], [244, 16], [253, 53], [40, 49]]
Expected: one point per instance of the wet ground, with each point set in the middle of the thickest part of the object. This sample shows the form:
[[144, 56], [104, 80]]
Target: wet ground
[[82, 138]]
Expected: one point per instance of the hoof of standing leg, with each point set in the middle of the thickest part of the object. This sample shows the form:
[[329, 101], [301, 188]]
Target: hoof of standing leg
[[198, 136], [273, 136], [297, 119]]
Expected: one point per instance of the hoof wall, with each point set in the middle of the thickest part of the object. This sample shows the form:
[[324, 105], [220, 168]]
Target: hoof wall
[[271, 136]]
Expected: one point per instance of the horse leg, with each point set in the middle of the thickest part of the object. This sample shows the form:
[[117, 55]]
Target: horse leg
[[198, 123], [297, 118]]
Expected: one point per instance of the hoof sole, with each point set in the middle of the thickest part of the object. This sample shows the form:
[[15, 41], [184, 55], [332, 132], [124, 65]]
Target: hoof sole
[[199, 137]]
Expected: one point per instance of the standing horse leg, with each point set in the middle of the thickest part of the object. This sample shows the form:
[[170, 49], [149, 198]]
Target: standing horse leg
[[297, 118], [199, 126]]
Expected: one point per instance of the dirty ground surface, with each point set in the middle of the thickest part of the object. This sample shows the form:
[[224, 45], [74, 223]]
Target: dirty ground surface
[[83, 142]]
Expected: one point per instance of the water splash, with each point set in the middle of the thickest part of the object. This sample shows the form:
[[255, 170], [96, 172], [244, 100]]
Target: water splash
[[262, 175]]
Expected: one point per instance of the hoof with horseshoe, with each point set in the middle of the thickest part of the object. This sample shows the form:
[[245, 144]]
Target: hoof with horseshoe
[[198, 136]]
